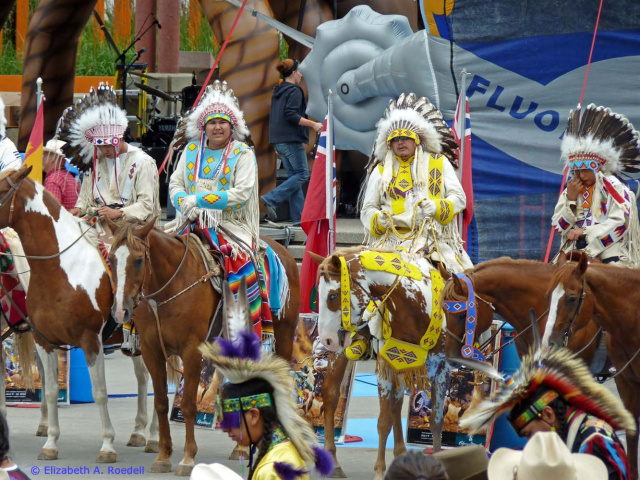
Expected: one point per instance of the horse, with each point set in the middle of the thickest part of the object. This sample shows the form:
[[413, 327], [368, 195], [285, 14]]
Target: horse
[[147, 260], [68, 303], [580, 290], [509, 288], [346, 285]]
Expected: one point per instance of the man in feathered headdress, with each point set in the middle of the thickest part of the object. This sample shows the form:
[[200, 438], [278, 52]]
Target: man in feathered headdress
[[123, 182], [256, 407], [9, 155], [216, 184], [554, 391], [412, 194], [597, 212]]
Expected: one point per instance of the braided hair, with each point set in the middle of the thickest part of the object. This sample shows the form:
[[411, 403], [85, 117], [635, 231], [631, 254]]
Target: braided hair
[[252, 387], [415, 465]]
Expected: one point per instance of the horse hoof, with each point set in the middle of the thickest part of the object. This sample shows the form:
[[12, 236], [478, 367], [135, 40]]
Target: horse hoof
[[184, 470], [137, 440], [43, 431], [152, 446], [107, 457], [338, 473], [160, 467], [48, 454]]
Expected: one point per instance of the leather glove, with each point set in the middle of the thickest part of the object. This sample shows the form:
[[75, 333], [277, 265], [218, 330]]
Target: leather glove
[[188, 204], [427, 209], [194, 213], [383, 220]]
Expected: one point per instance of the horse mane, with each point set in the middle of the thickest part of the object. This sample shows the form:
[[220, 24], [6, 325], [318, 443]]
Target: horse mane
[[125, 235]]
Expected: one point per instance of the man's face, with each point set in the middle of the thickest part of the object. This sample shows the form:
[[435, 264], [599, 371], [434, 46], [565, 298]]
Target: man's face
[[51, 161], [218, 132], [587, 177], [107, 151], [403, 147], [534, 426]]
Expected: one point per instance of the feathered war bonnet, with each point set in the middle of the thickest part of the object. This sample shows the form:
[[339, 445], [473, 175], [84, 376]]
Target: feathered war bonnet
[[417, 118], [92, 121], [218, 101], [558, 371], [239, 358], [3, 120], [600, 140]]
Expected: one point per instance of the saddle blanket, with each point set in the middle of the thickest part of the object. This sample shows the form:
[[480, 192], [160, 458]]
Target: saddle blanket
[[13, 294]]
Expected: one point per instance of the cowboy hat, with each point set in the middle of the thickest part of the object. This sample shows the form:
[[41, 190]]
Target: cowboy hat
[[545, 457], [54, 146], [464, 463], [214, 471]]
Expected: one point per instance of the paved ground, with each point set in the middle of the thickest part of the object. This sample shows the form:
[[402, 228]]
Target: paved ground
[[80, 440]]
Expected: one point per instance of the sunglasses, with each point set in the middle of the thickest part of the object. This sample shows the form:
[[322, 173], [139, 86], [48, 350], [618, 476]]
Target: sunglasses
[[397, 139]]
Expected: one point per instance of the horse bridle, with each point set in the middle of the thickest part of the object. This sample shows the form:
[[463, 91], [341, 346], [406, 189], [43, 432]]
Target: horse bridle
[[11, 194], [567, 332]]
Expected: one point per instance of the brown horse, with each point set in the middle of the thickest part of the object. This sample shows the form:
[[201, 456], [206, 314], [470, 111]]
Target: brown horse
[[509, 288], [409, 302], [68, 302], [579, 290], [148, 260]]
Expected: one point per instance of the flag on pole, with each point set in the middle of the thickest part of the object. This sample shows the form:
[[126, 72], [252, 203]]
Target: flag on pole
[[465, 163], [33, 154], [319, 214]]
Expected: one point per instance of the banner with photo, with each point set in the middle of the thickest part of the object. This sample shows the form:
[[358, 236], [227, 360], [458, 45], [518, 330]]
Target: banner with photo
[[309, 372], [205, 398], [16, 391]]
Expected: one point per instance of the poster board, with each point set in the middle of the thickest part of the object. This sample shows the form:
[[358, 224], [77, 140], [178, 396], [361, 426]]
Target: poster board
[[16, 392], [205, 398], [309, 377]]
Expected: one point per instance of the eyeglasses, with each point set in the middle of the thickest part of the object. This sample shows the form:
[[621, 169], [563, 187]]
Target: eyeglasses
[[397, 139]]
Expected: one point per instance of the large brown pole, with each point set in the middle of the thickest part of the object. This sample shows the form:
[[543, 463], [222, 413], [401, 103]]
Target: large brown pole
[[169, 36], [145, 11]]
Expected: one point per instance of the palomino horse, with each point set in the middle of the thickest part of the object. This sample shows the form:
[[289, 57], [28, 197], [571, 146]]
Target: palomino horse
[[579, 290], [509, 288], [148, 260], [409, 302], [68, 301]]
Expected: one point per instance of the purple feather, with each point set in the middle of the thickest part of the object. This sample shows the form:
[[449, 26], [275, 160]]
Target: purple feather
[[286, 471], [228, 349], [324, 461], [250, 344]]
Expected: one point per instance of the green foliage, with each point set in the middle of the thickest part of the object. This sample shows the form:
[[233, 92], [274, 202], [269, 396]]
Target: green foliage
[[284, 48], [203, 42], [10, 62], [95, 57]]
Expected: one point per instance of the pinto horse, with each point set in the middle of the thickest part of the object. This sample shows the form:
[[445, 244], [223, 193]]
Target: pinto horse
[[509, 288], [148, 260], [68, 302], [409, 302], [606, 292]]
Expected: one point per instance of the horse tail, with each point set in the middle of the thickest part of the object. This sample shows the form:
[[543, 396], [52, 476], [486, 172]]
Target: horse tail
[[25, 349], [173, 370]]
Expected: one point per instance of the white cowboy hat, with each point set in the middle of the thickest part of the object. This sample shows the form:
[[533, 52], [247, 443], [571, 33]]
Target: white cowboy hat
[[545, 457], [54, 146], [214, 471]]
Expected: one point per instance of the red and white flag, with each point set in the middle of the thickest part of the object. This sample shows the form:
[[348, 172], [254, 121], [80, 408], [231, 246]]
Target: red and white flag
[[466, 178], [319, 214]]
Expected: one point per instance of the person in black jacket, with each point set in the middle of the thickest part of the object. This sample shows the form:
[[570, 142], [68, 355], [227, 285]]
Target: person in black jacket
[[288, 126]]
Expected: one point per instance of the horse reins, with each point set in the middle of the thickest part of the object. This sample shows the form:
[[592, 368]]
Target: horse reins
[[567, 332]]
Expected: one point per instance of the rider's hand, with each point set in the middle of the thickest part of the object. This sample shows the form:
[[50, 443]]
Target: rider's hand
[[187, 205], [383, 220], [76, 212], [575, 233], [427, 209], [110, 213], [574, 187], [194, 214], [317, 126]]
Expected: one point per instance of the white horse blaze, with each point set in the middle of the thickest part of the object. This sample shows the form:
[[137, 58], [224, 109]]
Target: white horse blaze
[[328, 321], [121, 255], [82, 262], [557, 294]]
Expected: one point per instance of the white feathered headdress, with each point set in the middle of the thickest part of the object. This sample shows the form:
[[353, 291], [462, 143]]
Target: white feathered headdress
[[3, 120], [92, 121], [599, 139], [217, 99]]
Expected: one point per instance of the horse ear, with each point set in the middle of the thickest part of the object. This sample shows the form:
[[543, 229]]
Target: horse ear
[[446, 274], [335, 262], [316, 258], [583, 263], [562, 259], [144, 230], [457, 285], [24, 171]]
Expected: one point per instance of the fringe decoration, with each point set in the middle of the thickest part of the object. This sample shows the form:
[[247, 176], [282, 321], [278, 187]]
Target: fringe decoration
[[405, 379]]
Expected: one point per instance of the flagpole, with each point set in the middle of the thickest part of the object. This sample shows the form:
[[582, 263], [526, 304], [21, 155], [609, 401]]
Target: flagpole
[[329, 171], [39, 93], [462, 130]]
